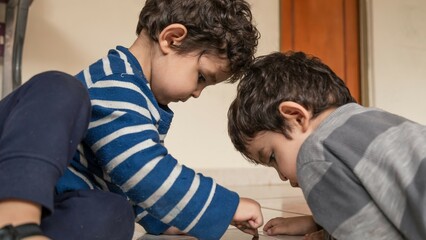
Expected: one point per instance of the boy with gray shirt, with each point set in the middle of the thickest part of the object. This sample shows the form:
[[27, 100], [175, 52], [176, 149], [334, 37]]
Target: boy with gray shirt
[[362, 170]]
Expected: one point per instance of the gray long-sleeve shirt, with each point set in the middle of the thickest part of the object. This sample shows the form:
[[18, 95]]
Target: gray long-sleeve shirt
[[363, 174]]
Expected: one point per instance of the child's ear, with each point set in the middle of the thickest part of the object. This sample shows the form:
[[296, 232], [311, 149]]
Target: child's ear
[[171, 35], [295, 114]]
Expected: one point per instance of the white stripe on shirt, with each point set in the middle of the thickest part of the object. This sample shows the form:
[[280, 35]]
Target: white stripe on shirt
[[121, 132], [201, 213], [83, 160], [87, 77], [129, 69], [130, 86], [102, 183], [140, 216], [184, 201], [141, 174], [81, 176], [114, 115], [107, 66], [162, 190], [128, 153], [122, 105]]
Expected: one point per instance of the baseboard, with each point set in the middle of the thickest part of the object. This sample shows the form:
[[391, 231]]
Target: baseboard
[[243, 176]]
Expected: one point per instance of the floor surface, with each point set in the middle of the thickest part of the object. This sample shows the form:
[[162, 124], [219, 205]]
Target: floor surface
[[276, 201]]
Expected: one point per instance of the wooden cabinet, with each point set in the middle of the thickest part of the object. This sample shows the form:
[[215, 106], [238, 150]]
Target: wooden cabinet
[[328, 29]]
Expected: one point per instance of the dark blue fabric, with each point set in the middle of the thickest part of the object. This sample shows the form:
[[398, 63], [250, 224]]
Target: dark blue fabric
[[41, 124], [90, 215]]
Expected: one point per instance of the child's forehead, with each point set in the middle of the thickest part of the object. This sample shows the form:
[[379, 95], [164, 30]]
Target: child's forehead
[[217, 67], [217, 59]]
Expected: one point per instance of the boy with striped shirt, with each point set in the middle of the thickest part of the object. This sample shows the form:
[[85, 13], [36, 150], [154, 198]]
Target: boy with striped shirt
[[121, 170]]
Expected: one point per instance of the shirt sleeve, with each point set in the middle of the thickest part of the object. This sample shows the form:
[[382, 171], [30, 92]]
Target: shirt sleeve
[[125, 142], [150, 223]]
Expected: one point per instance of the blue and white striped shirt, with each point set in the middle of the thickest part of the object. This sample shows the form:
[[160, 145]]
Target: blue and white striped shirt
[[123, 152]]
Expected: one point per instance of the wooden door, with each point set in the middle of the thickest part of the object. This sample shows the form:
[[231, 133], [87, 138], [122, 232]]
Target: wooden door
[[328, 29]]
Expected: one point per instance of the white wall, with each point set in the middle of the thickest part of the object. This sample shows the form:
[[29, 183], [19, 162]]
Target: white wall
[[69, 35], [398, 56]]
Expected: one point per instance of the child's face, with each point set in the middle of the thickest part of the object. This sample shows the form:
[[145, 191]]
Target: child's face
[[275, 150], [176, 78]]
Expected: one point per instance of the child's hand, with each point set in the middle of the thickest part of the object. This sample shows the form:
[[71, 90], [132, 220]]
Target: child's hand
[[291, 226], [248, 216]]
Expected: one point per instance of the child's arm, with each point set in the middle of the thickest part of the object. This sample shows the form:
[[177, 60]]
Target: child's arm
[[19, 212], [247, 218], [291, 226], [126, 141]]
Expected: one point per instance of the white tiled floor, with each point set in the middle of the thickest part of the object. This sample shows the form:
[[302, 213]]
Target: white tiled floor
[[276, 200]]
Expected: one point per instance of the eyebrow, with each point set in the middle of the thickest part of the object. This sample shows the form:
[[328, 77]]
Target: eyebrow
[[206, 73]]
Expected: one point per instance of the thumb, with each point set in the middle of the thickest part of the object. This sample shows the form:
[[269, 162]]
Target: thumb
[[256, 223]]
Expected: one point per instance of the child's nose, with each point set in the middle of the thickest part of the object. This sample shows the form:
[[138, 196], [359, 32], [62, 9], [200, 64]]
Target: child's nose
[[197, 92]]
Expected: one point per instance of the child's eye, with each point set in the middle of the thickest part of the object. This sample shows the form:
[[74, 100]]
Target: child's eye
[[272, 158], [201, 78]]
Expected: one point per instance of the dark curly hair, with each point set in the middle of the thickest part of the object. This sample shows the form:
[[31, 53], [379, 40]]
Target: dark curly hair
[[223, 27], [273, 79]]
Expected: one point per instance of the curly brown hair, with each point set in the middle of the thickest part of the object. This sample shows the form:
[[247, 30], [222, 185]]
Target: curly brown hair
[[276, 78], [222, 27]]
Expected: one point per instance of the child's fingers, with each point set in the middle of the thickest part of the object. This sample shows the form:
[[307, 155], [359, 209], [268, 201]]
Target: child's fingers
[[256, 223], [291, 226], [250, 231], [267, 226], [319, 235], [278, 226], [247, 228], [271, 223], [275, 230]]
